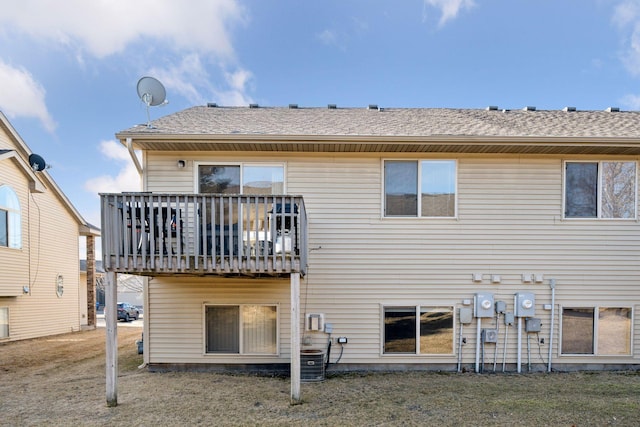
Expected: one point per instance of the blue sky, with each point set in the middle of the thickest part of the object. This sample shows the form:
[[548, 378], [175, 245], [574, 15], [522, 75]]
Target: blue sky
[[68, 72]]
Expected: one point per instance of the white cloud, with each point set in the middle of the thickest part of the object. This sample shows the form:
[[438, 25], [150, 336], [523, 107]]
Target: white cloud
[[22, 95], [449, 9], [103, 28], [191, 79], [627, 18], [631, 101], [127, 178]]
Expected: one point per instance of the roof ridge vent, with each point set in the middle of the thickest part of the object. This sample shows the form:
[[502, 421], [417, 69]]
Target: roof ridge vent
[[612, 110], [212, 105], [569, 109], [529, 108], [373, 107], [254, 106], [332, 106], [492, 108], [293, 106]]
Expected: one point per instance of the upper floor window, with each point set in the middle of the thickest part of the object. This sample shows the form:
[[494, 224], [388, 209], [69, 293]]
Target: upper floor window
[[600, 190], [241, 179], [424, 188], [10, 218]]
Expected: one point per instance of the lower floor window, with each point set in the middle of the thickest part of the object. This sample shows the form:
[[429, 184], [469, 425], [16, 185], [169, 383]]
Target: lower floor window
[[241, 329], [596, 330], [4, 322], [418, 330]]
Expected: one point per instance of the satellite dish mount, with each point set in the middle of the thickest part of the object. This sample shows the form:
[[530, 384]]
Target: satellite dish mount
[[152, 93], [37, 163]]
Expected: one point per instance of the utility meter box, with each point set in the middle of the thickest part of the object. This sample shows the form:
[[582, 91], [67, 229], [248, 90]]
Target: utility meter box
[[484, 304], [525, 304], [466, 315], [532, 324], [490, 335]]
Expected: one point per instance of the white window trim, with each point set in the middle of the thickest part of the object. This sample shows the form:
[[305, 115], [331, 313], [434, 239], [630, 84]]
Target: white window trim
[[197, 164], [417, 308], [596, 309], [8, 322], [418, 216], [240, 353], [10, 213], [599, 195]]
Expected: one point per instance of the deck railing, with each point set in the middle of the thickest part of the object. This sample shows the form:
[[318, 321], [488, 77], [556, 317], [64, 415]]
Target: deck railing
[[154, 234]]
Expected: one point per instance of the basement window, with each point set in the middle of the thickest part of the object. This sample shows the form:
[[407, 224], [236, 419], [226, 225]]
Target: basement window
[[4, 322], [241, 329], [418, 330], [596, 331], [605, 190]]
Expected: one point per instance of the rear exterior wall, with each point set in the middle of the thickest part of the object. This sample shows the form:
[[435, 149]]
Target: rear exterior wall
[[509, 222]]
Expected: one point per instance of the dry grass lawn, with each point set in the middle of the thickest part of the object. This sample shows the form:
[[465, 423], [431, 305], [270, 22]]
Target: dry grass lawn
[[61, 381]]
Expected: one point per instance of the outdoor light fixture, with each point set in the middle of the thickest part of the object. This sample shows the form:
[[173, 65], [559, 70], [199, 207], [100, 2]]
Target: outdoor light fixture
[[181, 164]]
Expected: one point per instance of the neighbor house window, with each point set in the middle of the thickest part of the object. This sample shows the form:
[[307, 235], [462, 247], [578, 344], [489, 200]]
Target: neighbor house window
[[596, 331], [418, 330], [10, 218], [241, 179], [425, 188], [4, 322], [600, 190], [242, 329]]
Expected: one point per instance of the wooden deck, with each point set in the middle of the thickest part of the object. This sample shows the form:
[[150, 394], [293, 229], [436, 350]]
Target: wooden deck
[[203, 234]]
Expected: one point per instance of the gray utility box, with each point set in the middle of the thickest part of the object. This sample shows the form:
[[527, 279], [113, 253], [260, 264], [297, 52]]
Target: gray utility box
[[525, 304], [532, 324], [484, 304], [311, 365]]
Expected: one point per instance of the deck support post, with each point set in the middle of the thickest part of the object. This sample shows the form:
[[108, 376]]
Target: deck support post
[[111, 321], [295, 338]]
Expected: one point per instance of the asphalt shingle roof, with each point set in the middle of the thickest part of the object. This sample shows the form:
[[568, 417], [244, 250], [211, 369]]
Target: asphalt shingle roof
[[400, 122]]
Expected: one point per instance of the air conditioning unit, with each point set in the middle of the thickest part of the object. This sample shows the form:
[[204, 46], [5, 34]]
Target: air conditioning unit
[[314, 322], [312, 365]]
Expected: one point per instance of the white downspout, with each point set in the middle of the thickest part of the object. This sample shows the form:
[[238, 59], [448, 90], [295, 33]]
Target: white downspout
[[552, 285], [519, 363], [132, 153]]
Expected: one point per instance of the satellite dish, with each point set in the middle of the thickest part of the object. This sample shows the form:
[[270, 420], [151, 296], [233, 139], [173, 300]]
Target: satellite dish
[[37, 163], [152, 93]]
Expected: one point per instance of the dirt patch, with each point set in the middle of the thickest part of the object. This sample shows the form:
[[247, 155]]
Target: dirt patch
[[61, 381]]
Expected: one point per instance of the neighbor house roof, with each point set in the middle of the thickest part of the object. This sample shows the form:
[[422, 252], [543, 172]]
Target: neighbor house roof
[[391, 129], [41, 180]]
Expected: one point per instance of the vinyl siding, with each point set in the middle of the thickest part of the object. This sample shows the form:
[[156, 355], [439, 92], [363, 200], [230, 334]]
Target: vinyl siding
[[49, 247], [509, 222]]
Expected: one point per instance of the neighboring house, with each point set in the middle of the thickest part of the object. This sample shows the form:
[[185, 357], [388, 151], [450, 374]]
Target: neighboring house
[[98, 287], [40, 289], [424, 238]]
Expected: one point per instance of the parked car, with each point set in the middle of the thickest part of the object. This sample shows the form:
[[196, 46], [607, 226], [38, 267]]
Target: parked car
[[127, 312]]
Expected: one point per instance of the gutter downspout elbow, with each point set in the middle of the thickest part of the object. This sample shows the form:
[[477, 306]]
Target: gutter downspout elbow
[[132, 153]]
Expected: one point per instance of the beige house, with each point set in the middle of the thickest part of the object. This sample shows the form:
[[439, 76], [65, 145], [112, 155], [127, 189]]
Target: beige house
[[40, 289], [445, 239]]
